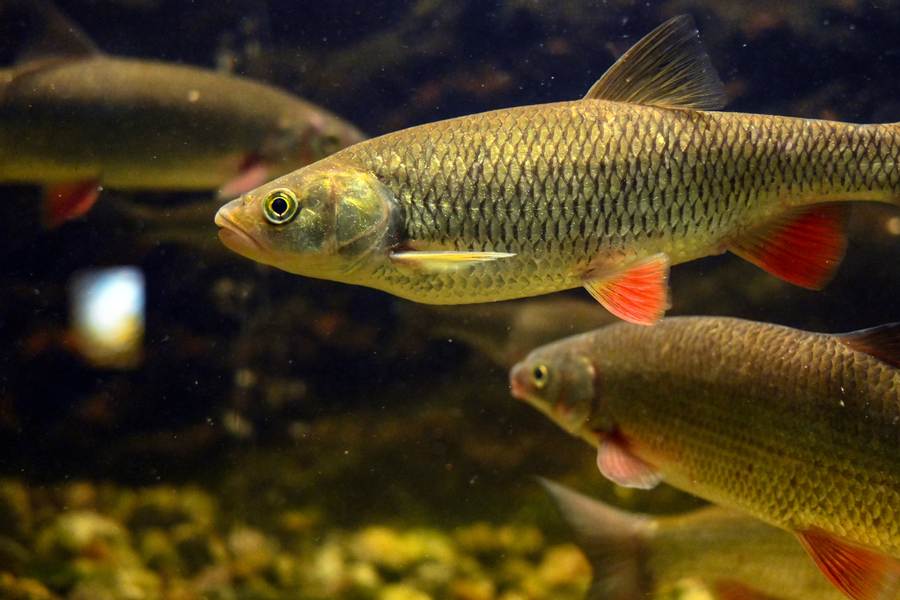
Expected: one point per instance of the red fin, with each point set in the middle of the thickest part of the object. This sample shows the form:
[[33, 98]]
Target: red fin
[[803, 247], [618, 465], [882, 342], [253, 174], [639, 294], [732, 590], [66, 201], [860, 573]]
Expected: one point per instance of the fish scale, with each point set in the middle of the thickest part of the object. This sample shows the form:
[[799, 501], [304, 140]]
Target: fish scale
[[576, 182], [794, 427], [606, 192]]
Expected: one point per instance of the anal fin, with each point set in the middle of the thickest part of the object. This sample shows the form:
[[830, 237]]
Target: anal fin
[[638, 294], [66, 201], [860, 573], [803, 247]]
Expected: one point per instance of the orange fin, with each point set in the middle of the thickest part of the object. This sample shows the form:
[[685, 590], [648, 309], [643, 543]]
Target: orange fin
[[803, 247], [732, 590], [638, 294], [860, 573], [882, 342], [620, 466], [66, 201]]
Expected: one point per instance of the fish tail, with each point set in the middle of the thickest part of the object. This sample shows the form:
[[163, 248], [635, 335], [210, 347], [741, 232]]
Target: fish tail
[[613, 540]]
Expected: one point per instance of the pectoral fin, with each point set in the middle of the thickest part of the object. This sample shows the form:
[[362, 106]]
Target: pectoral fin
[[66, 201], [667, 67], [860, 573], [638, 294], [620, 466], [438, 261], [803, 247]]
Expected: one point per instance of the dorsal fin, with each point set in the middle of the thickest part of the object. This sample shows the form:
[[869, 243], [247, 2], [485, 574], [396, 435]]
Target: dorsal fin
[[668, 67], [54, 36], [882, 342], [613, 540]]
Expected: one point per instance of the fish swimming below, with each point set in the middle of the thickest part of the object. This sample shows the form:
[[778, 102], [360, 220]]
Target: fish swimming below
[[798, 429], [76, 120], [732, 555], [605, 192]]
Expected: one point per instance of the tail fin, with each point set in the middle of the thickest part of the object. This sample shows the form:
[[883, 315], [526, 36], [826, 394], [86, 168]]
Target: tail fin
[[613, 540]]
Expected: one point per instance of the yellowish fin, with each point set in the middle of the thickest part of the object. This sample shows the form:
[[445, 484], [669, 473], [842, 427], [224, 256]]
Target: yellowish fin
[[668, 67], [440, 261]]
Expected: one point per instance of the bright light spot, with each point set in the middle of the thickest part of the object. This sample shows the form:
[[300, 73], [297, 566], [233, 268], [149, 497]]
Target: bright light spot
[[108, 307]]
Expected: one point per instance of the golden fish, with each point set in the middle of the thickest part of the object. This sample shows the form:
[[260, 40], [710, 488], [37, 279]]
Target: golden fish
[[75, 119], [732, 555], [604, 192], [799, 429]]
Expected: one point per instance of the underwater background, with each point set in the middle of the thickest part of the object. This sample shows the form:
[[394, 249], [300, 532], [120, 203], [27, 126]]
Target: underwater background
[[281, 437]]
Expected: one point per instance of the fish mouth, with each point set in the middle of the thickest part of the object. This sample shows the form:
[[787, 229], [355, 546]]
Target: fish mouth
[[233, 235], [516, 387]]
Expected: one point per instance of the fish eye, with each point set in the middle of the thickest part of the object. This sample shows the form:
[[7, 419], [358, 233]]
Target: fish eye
[[280, 206], [540, 375]]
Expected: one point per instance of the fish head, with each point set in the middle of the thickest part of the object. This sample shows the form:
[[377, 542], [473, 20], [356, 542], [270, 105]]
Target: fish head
[[300, 138], [558, 380], [321, 221], [305, 137]]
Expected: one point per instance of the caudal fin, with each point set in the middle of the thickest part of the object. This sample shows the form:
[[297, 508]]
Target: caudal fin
[[613, 541]]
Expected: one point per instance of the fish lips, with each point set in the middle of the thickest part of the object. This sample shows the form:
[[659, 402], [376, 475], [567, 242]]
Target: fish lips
[[232, 235]]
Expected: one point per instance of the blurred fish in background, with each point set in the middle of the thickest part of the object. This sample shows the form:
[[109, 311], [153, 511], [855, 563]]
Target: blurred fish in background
[[77, 120], [732, 555]]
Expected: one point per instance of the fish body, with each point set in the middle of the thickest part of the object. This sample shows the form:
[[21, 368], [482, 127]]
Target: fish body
[[140, 124], [798, 429], [731, 554], [605, 192], [74, 119]]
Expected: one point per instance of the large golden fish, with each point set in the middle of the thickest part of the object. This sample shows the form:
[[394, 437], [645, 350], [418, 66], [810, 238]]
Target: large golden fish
[[604, 192], [799, 429]]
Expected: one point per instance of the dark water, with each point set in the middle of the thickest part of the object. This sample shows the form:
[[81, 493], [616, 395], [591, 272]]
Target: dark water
[[280, 437]]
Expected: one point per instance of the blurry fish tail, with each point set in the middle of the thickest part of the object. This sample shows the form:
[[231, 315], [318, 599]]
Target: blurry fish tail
[[614, 541]]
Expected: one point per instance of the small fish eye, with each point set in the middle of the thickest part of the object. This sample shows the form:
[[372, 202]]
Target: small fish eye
[[540, 375], [280, 206]]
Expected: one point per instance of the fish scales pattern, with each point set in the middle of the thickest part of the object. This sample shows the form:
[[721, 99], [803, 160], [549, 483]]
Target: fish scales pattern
[[794, 427], [574, 184]]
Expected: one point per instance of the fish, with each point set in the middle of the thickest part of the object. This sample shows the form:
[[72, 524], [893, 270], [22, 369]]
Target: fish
[[605, 193], [734, 556], [798, 429], [76, 120]]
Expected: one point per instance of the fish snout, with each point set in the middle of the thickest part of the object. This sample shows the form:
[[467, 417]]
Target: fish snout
[[235, 237], [517, 386]]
